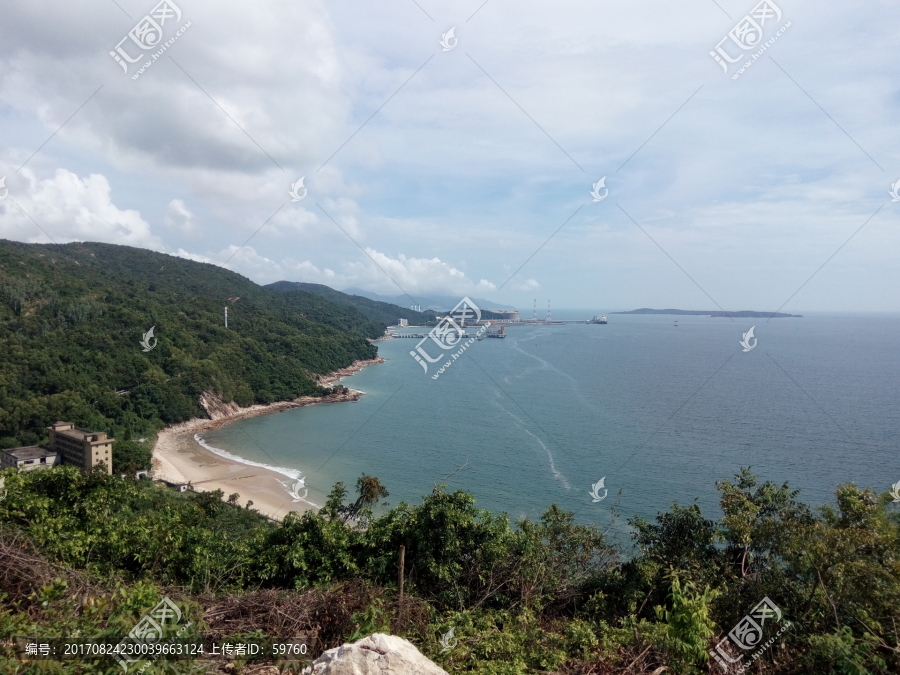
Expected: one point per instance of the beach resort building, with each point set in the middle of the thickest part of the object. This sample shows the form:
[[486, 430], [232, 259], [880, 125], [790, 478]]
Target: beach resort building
[[68, 445]]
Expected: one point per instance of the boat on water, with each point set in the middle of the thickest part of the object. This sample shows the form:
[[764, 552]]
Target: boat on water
[[599, 319]]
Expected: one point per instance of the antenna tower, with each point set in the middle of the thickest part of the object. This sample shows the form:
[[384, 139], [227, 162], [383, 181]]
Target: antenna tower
[[534, 314], [548, 310], [226, 316]]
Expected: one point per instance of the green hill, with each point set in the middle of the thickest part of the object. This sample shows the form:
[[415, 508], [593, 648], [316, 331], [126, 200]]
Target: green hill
[[383, 312], [72, 318]]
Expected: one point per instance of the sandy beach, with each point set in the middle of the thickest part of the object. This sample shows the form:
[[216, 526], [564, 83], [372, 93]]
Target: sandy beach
[[179, 458]]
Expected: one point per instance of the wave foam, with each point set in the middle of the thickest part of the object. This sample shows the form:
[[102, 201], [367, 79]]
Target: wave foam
[[294, 474]]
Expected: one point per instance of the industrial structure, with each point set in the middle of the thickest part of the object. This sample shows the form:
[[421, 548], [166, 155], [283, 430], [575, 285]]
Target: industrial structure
[[511, 315], [501, 317]]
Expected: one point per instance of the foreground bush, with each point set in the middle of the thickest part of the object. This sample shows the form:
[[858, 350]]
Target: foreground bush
[[545, 596]]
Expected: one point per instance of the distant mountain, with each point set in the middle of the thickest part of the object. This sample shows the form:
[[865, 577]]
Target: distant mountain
[[437, 303], [744, 314], [383, 312]]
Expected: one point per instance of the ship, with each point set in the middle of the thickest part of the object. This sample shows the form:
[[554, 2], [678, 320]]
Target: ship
[[599, 319]]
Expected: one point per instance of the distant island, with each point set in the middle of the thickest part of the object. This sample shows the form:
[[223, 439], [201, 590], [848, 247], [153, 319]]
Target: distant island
[[691, 312]]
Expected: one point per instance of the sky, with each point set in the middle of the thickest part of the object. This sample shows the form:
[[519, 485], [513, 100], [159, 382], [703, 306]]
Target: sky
[[464, 163]]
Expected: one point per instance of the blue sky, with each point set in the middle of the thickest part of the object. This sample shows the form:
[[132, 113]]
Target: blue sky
[[722, 191]]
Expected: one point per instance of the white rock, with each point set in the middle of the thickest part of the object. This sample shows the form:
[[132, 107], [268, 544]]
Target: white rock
[[378, 654]]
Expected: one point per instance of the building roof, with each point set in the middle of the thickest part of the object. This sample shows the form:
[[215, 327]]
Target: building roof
[[81, 434], [30, 452]]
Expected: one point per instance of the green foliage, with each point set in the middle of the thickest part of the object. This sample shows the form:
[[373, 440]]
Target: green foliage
[[541, 596], [59, 609], [381, 312], [689, 624], [129, 457], [134, 530], [371, 620], [72, 318], [845, 652]]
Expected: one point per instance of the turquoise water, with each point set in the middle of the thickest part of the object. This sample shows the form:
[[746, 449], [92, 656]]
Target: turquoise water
[[661, 412]]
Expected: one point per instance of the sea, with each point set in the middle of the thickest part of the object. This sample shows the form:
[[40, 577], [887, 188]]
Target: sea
[[655, 413]]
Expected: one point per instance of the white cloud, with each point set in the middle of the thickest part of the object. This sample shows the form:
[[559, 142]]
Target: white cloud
[[415, 275], [178, 217], [378, 273], [196, 257], [527, 285], [68, 208]]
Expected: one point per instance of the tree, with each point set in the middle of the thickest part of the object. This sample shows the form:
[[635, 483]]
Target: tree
[[370, 491], [129, 457], [689, 625]]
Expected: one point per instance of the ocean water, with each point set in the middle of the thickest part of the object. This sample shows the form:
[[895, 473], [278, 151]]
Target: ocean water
[[660, 412]]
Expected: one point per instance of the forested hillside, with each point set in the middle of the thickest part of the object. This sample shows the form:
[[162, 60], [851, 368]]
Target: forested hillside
[[382, 312], [88, 555], [72, 318]]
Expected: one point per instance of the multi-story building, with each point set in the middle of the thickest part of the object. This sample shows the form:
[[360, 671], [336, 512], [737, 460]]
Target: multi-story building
[[68, 445], [28, 458], [84, 449]]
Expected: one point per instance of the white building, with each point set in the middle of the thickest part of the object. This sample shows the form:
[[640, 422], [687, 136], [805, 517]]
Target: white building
[[28, 458]]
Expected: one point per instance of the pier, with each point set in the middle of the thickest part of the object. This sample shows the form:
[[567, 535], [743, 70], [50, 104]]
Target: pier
[[502, 324]]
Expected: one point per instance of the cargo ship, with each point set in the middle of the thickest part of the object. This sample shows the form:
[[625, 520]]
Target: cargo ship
[[599, 319]]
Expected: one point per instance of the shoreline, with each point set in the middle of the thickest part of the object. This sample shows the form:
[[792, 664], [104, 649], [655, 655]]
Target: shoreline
[[179, 457]]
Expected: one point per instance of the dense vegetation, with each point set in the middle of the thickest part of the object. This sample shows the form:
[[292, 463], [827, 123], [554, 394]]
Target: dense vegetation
[[530, 597], [382, 312], [72, 318]]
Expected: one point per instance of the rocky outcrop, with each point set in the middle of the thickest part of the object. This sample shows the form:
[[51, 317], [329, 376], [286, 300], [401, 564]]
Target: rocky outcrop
[[378, 654], [221, 413], [216, 408], [354, 367]]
